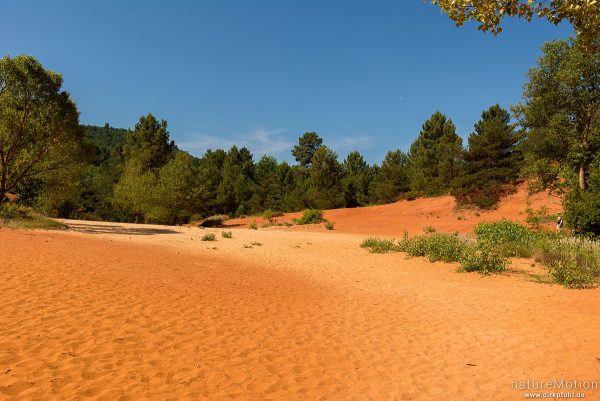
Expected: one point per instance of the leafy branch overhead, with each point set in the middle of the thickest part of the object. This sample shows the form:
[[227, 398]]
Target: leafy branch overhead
[[583, 15]]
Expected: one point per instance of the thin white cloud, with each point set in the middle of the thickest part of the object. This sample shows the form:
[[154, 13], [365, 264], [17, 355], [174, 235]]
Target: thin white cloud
[[260, 141], [352, 142]]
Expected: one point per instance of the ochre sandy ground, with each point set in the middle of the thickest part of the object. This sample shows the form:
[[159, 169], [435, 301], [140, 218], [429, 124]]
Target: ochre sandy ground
[[440, 213], [126, 312]]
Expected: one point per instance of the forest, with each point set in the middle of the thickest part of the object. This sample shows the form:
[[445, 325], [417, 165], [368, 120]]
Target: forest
[[551, 140]]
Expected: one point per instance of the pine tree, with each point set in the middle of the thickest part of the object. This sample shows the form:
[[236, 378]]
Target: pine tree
[[491, 160], [435, 156], [392, 178]]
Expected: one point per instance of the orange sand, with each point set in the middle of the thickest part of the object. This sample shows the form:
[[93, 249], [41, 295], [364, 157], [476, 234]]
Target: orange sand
[[412, 216], [127, 312]]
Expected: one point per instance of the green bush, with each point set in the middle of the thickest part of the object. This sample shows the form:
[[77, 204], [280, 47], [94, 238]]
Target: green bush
[[311, 216], [508, 237], [253, 226], [270, 215], [437, 247], [19, 216], [570, 273], [209, 237], [14, 211], [483, 258], [376, 245], [227, 234], [583, 212], [214, 221], [329, 225]]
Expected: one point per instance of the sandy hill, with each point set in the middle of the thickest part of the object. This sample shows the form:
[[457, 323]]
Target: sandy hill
[[439, 212]]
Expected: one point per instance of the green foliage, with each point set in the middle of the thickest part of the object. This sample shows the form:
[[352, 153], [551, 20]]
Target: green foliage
[[310, 216], [329, 225], [483, 258], [510, 238], [253, 226], [583, 207], [308, 144], [39, 124], [562, 115], [490, 162], [237, 182], [325, 190], [390, 181], [270, 215], [435, 156], [227, 234], [19, 216], [437, 247], [209, 237], [376, 245], [535, 218], [214, 221], [149, 143], [568, 273], [583, 15]]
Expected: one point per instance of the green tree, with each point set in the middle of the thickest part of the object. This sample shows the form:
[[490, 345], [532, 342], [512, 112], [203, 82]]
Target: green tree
[[149, 143], [357, 177], [325, 190], [561, 112], [237, 186], [210, 174], [435, 156], [308, 144], [268, 189], [39, 123], [391, 179], [491, 160], [178, 194], [584, 15]]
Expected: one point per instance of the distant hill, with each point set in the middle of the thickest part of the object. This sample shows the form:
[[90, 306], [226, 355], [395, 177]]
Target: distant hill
[[106, 136]]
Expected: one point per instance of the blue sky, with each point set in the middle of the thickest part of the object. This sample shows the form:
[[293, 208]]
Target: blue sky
[[363, 74]]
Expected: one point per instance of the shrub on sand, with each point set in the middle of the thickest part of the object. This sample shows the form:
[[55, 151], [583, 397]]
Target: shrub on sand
[[214, 221], [311, 216], [482, 258], [376, 245], [209, 237], [227, 234]]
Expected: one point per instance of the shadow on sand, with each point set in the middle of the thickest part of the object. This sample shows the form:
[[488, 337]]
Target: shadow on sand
[[113, 229]]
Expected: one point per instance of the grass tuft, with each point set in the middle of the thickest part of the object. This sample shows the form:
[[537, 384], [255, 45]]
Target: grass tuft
[[209, 237]]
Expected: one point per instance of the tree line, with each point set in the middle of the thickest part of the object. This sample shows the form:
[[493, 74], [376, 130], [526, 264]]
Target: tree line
[[552, 138]]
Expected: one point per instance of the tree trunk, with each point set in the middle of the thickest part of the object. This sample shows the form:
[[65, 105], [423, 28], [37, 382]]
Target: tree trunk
[[2, 187], [582, 176]]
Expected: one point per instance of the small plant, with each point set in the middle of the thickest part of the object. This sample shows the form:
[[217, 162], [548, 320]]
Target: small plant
[[247, 246], [253, 226], [535, 218], [256, 243], [209, 237], [311, 216], [270, 215], [329, 225], [429, 229], [482, 258], [214, 221], [227, 234], [376, 245]]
